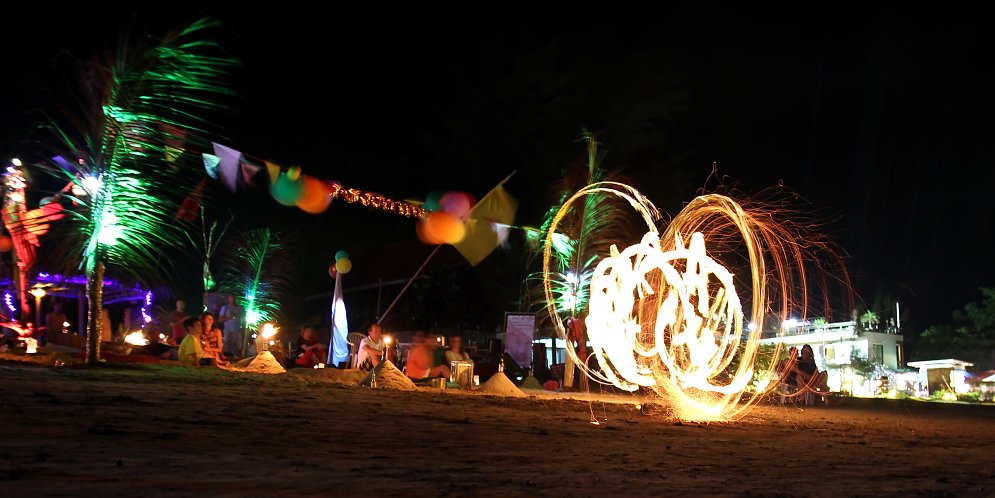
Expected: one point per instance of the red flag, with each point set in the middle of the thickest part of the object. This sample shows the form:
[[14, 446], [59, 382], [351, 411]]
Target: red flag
[[190, 207]]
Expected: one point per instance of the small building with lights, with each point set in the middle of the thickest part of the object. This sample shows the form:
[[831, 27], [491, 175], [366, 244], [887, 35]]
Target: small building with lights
[[948, 374], [837, 344]]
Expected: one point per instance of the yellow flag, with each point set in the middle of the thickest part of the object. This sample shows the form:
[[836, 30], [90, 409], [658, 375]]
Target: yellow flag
[[487, 225], [274, 171]]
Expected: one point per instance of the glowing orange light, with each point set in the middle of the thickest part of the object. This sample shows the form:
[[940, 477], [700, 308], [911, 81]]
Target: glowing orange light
[[136, 338], [269, 330], [665, 315]]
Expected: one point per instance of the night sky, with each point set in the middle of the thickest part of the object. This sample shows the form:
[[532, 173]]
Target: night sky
[[880, 119]]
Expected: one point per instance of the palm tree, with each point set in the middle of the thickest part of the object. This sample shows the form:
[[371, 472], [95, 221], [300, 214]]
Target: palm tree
[[134, 115], [583, 235], [869, 320], [255, 270]]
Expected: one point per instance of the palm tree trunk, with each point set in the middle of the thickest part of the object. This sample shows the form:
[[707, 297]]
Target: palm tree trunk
[[94, 325]]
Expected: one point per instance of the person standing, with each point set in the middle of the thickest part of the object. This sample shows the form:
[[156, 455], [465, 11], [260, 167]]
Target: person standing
[[106, 331], [176, 322], [53, 323], [231, 317]]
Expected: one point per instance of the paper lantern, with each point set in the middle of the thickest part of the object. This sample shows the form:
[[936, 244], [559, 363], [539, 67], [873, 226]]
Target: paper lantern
[[443, 226], [424, 236], [332, 272], [456, 204], [5, 243], [343, 266], [314, 196], [341, 255], [285, 190], [432, 200], [294, 172]]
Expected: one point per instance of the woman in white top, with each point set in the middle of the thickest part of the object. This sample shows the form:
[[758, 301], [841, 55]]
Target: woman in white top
[[455, 351]]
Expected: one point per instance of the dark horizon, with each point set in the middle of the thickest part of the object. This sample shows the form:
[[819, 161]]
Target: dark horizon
[[879, 118]]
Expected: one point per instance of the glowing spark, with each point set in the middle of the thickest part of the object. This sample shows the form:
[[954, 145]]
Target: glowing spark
[[666, 316]]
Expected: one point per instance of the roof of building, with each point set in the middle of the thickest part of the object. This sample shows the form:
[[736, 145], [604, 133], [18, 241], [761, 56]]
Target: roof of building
[[947, 363]]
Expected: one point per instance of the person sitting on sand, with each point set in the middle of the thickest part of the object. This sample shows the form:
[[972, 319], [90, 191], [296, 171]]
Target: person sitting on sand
[[191, 352], [420, 360], [787, 373], [211, 340], [310, 351], [809, 377], [787, 368], [455, 351], [370, 349]]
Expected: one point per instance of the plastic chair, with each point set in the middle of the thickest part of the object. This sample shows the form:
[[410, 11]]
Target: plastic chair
[[354, 338]]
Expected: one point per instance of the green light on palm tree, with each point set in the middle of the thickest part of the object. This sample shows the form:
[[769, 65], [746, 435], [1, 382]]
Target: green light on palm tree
[[119, 128]]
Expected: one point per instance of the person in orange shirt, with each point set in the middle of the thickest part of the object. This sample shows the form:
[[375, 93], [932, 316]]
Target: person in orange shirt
[[420, 360]]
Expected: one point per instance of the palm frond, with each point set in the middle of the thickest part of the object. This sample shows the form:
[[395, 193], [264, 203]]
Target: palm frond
[[584, 235], [128, 111], [255, 271]]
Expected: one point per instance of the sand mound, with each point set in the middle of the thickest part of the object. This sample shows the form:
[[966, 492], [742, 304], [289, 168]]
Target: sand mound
[[350, 377], [263, 362], [500, 384], [389, 377], [531, 383]]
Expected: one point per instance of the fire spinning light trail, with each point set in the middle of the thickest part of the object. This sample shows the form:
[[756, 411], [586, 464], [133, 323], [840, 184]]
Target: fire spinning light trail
[[666, 316]]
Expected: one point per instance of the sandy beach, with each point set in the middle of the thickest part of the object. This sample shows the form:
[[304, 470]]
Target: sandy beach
[[162, 430]]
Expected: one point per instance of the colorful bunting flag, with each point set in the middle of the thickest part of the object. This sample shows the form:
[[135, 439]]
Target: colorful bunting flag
[[487, 225], [229, 165], [211, 165], [190, 207]]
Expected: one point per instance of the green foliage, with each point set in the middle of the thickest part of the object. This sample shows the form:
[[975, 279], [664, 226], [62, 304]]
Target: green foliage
[[869, 320], [971, 336], [969, 397], [584, 235], [864, 367], [255, 270], [125, 112], [762, 361]]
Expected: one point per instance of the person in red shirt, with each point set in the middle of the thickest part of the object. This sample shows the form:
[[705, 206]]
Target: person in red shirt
[[310, 350], [176, 321]]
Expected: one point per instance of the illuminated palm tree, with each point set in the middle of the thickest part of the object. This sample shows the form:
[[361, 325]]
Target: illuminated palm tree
[[583, 237], [125, 144], [255, 271]]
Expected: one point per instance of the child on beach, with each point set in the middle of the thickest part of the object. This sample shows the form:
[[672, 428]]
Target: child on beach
[[191, 351]]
